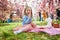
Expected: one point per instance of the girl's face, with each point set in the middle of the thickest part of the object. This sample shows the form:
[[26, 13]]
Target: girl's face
[[28, 11]]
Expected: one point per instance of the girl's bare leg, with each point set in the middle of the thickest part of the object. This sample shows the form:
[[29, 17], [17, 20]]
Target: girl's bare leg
[[33, 25], [17, 28], [25, 28]]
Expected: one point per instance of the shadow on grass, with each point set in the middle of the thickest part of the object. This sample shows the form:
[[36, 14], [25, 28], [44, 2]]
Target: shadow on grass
[[28, 36], [3, 24]]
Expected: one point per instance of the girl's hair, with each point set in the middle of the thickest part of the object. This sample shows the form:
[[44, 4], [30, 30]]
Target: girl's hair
[[25, 11], [11, 15]]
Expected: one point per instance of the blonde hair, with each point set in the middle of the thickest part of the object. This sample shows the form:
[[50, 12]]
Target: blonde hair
[[26, 9]]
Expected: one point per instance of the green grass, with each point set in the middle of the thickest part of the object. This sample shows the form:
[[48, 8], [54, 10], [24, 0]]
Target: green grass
[[41, 23], [56, 21], [7, 34]]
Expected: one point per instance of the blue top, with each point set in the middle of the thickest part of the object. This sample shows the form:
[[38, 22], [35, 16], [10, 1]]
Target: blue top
[[26, 20], [9, 20]]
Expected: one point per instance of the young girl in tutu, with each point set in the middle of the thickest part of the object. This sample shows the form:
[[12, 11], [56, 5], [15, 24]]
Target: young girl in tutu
[[27, 24]]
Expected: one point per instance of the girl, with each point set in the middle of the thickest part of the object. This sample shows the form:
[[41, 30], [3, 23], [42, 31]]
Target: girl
[[27, 24], [44, 15], [9, 19]]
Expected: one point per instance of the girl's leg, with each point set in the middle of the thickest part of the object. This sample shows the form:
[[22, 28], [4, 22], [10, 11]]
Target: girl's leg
[[25, 28], [16, 28], [33, 25]]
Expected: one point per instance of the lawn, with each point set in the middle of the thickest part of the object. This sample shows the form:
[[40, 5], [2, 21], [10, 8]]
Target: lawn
[[7, 34]]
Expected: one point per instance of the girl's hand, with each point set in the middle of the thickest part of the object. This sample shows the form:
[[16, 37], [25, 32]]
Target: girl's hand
[[29, 15]]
